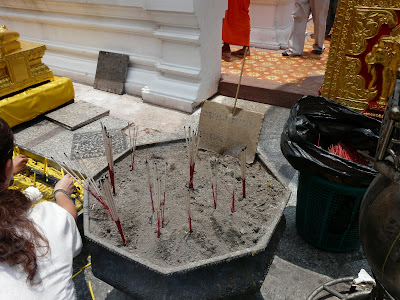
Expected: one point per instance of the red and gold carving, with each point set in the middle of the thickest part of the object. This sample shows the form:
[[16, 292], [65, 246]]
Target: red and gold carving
[[364, 55]]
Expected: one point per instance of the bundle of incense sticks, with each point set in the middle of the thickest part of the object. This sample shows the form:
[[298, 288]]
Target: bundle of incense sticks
[[90, 187], [188, 210], [78, 176], [109, 154], [214, 179], [192, 142], [243, 170], [73, 169], [149, 183], [109, 200], [132, 143]]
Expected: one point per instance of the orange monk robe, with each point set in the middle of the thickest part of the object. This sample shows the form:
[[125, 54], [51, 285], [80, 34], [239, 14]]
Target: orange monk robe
[[236, 24]]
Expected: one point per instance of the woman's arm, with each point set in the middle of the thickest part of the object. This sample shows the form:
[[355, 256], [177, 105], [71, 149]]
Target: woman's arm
[[62, 191]]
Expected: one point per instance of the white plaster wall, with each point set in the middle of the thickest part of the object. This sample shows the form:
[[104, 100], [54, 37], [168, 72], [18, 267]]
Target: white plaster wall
[[271, 22], [174, 45]]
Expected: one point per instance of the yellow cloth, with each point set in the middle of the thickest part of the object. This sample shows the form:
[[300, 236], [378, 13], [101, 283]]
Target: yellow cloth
[[236, 24], [33, 102]]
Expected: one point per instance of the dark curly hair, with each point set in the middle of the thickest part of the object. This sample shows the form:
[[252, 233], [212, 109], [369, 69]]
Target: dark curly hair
[[6, 143], [19, 237]]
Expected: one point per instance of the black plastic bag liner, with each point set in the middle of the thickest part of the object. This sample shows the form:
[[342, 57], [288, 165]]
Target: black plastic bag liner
[[317, 120]]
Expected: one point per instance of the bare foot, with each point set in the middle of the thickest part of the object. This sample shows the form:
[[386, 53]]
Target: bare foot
[[241, 51], [226, 49]]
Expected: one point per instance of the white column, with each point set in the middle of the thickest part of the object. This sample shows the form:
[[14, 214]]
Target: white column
[[271, 22], [190, 63]]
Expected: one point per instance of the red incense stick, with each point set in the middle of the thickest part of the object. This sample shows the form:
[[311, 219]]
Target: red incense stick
[[243, 171], [108, 198], [149, 183], [214, 181], [111, 172], [233, 201], [151, 197], [215, 201], [188, 210], [244, 187], [158, 223], [98, 198], [163, 212], [120, 231]]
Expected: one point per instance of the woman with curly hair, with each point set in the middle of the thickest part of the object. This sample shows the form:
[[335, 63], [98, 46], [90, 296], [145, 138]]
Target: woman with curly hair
[[37, 244]]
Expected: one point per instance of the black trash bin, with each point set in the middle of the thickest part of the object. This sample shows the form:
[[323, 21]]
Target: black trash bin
[[330, 187]]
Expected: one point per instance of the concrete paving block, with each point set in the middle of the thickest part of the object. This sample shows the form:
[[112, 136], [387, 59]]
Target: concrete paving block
[[35, 132], [91, 144], [288, 281], [55, 146], [87, 140], [111, 72], [110, 122], [76, 115]]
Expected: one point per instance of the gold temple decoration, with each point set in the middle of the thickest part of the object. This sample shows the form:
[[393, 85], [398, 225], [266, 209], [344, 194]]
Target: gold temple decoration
[[364, 54], [386, 53], [27, 86], [20, 63]]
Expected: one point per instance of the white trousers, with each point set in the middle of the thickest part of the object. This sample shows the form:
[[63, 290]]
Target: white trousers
[[319, 9]]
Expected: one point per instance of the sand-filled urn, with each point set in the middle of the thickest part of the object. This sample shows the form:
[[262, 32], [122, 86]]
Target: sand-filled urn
[[207, 242]]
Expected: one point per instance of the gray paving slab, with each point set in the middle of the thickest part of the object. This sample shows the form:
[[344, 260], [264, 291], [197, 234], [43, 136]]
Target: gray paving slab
[[32, 133], [111, 72], [51, 140], [76, 115], [288, 281], [72, 141], [91, 144]]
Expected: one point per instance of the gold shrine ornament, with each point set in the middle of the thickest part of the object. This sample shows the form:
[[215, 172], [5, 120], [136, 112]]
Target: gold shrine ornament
[[364, 55], [20, 63]]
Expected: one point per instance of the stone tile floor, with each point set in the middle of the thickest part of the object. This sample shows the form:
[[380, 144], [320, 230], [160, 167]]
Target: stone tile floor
[[297, 269]]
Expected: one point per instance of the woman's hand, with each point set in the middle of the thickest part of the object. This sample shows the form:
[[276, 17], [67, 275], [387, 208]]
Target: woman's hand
[[62, 199], [19, 163], [65, 184]]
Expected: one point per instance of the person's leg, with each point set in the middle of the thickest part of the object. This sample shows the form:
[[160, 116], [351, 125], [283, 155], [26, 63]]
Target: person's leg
[[242, 51], [243, 31], [331, 16], [298, 33], [319, 9], [226, 48]]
